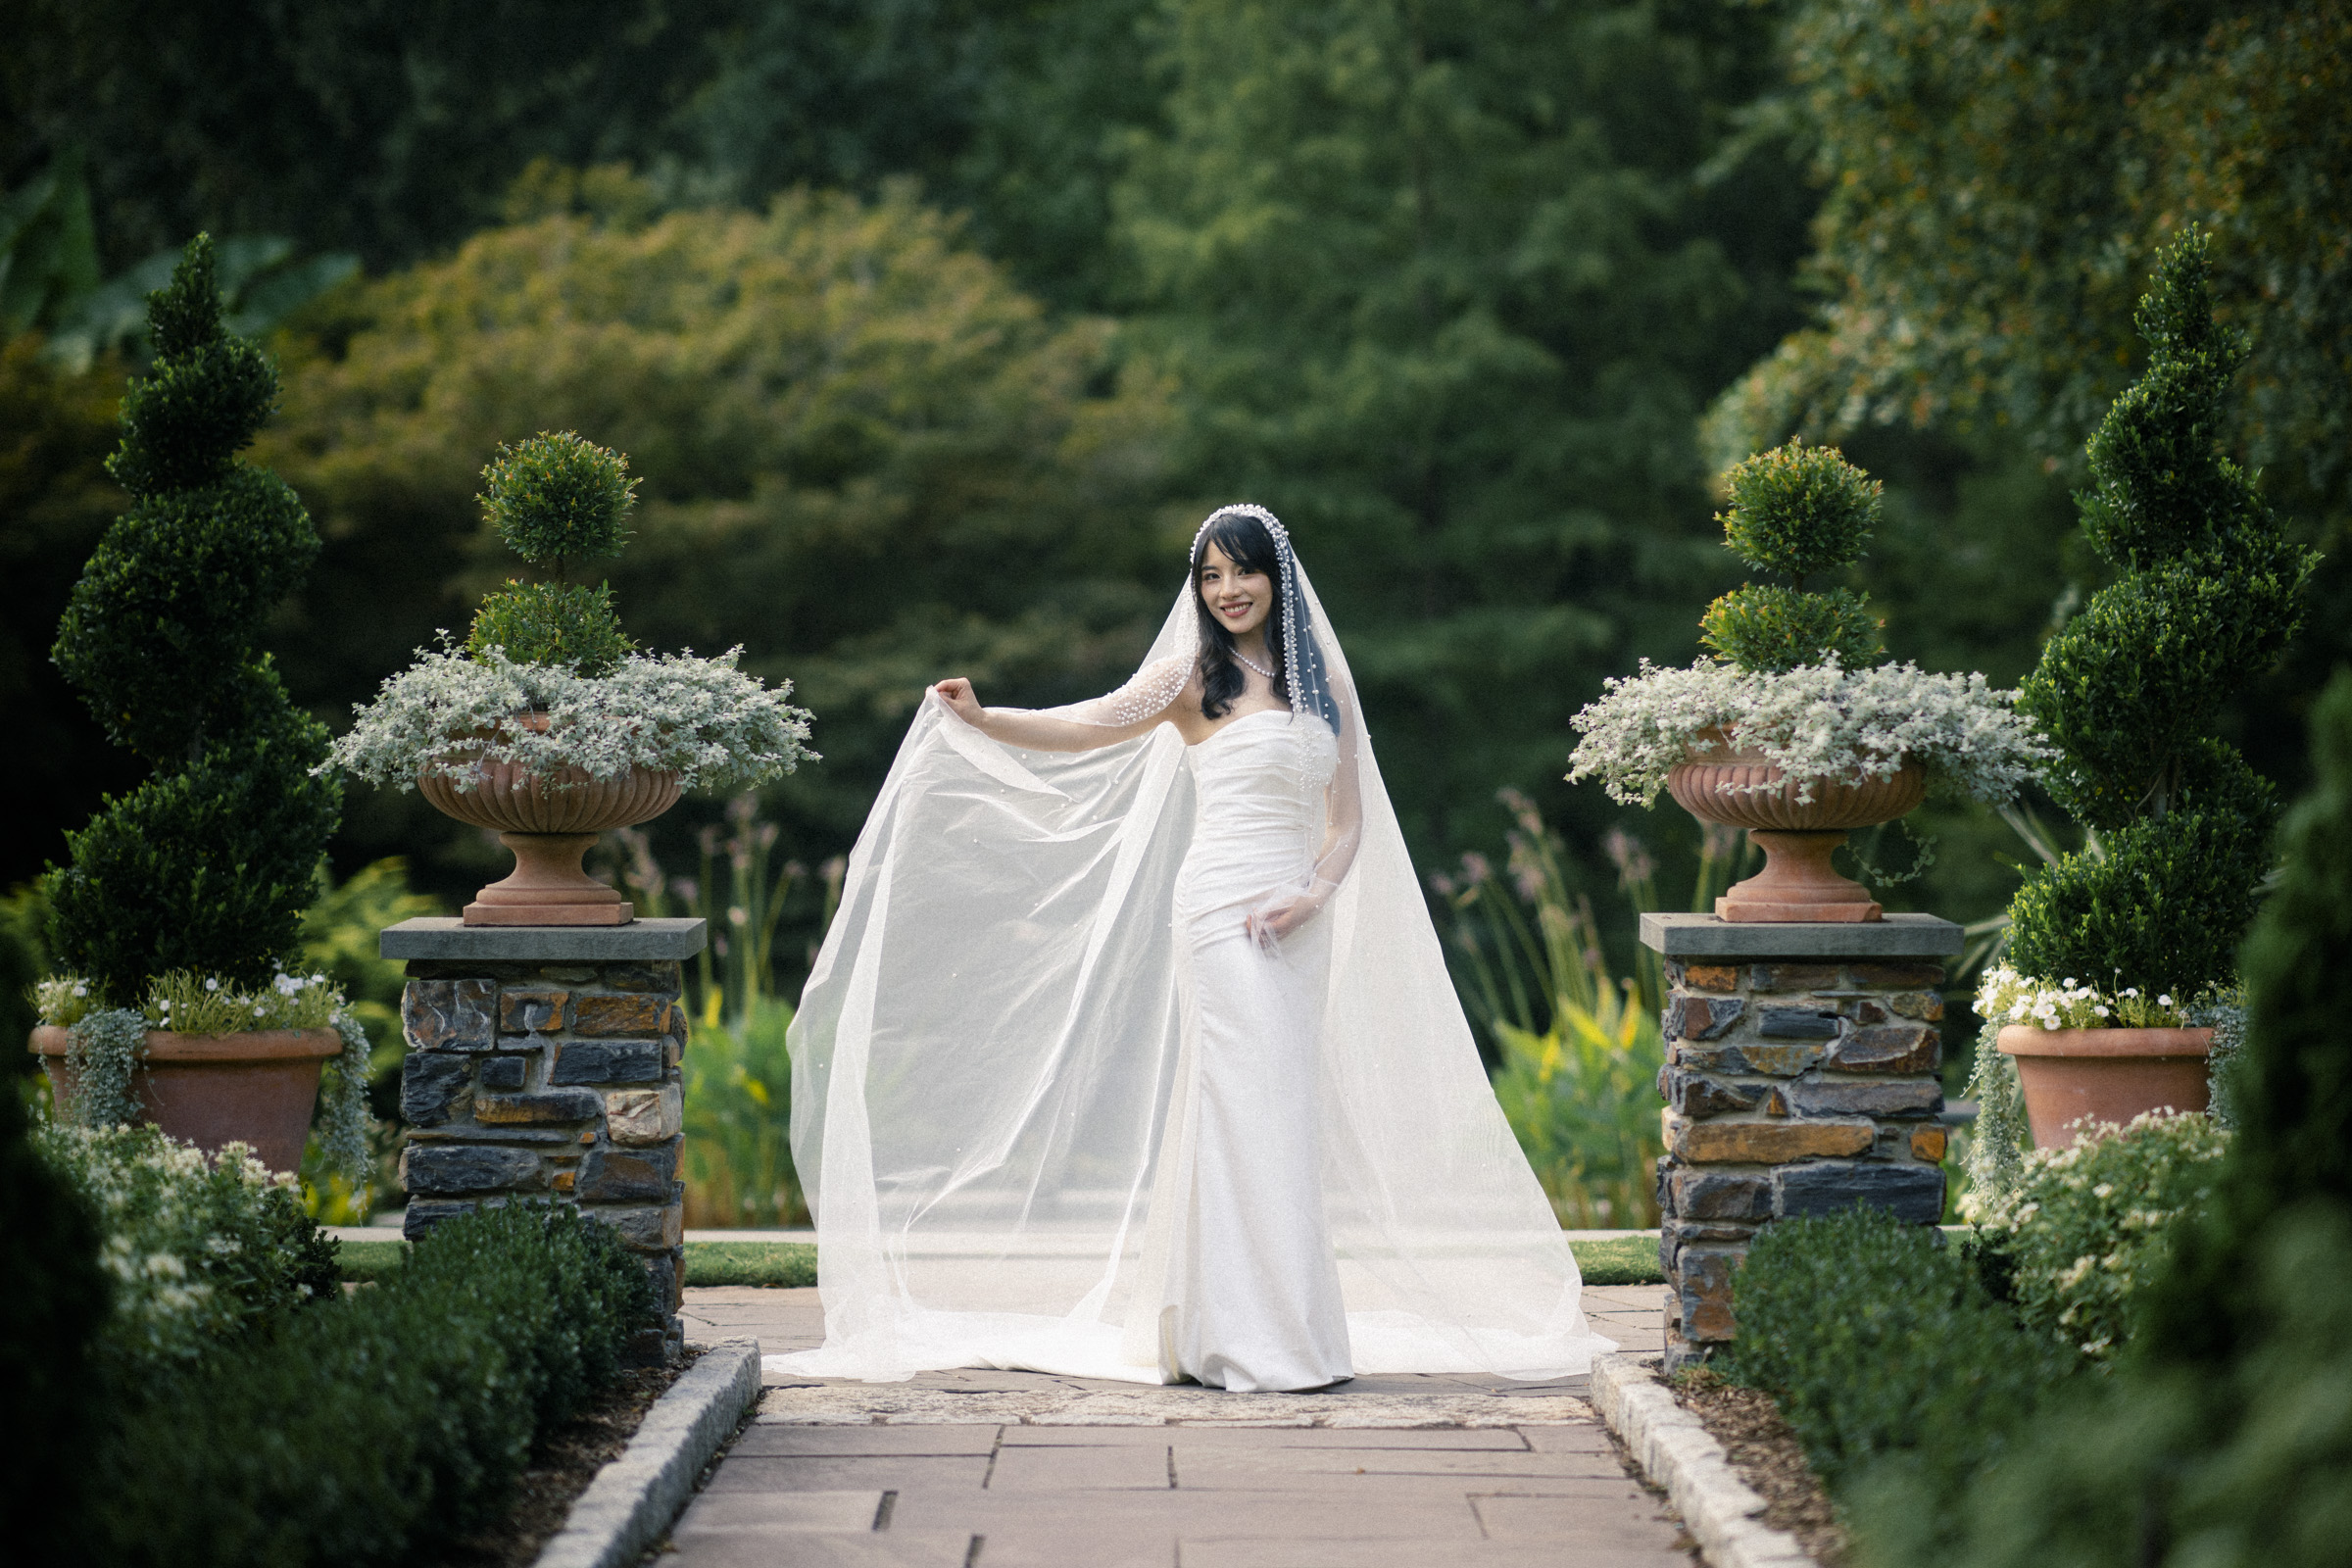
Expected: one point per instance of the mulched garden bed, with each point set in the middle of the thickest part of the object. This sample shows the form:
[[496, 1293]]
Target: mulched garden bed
[[1765, 1452], [560, 1467]]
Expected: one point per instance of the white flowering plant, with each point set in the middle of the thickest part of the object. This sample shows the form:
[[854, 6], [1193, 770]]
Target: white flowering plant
[[1818, 723], [2087, 1225], [715, 726], [201, 1250], [2005, 997]]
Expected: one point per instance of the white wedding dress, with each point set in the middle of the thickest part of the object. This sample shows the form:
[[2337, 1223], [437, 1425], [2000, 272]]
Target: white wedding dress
[[1055, 1111], [1253, 1297]]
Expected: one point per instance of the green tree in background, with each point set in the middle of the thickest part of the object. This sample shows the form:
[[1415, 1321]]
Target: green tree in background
[[863, 455], [1999, 179], [1439, 286]]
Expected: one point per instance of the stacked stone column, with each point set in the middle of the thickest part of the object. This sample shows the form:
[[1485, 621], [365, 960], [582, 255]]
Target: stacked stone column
[[1802, 1077], [543, 1064]]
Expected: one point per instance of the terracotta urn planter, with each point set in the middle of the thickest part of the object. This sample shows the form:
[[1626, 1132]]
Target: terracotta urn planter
[[1797, 882], [2107, 1075], [256, 1088], [549, 827]]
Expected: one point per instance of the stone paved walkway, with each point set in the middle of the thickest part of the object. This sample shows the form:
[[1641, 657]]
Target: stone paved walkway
[[976, 1469]]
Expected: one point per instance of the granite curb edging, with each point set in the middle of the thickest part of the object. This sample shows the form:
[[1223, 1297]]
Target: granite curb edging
[[1676, 1452], [635, 1497]]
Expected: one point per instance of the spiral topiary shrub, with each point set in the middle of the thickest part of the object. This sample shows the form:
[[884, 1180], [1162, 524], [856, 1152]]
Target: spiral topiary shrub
[[207, 865], [2129, 690], [1796, 511], [555, 499]]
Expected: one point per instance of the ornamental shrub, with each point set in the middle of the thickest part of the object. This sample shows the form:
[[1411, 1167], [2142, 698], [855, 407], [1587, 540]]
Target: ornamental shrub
[[1797, 510], [2226, 1437], [55, 1302], [553, 499], [2292, 1093], [207, 865], [383, 1426], [2087, 1227], [2129, 690], [1876, 1337], [1901, 1377], [202, 1250], [551, 623]]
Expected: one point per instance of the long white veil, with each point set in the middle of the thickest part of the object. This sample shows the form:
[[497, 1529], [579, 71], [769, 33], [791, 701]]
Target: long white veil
[[989, 1045]]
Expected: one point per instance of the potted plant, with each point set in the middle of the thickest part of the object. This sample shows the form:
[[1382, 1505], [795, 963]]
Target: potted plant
[[174, 923], [2116, 951], [548, 726], [1799, 728]]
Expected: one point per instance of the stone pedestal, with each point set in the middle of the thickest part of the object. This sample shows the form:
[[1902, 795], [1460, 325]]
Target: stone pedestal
[[1800, 1078], [543, 1064]]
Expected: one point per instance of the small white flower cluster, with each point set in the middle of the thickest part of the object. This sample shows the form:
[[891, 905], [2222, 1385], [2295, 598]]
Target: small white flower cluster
[[192, 1242], [2086, 1225], [715, 726], [61, 1000], [2006, 997], [1817, 724]]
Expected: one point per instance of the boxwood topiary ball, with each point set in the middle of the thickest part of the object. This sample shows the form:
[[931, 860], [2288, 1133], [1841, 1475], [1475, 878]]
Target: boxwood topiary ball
[[1798, 509], [558, 498]]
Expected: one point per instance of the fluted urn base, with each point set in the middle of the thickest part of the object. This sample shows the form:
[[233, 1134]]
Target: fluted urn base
[[549, 887], [1798, 882], [1740, 788]]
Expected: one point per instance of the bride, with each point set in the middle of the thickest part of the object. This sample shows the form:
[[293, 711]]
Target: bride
[[1131, 1053]]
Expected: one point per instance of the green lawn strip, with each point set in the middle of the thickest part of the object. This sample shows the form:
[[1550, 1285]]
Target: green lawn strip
[[1620, 1261], [1631, 1259], [368, 1262], [777, 1263]]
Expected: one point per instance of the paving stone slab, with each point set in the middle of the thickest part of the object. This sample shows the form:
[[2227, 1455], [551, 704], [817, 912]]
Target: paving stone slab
[[903, 1403], [1277, 1439], [772, 1438], [1214, 1552], [789, 1511], [755, 1472], [1123, 1467], [1195, 1467], [894, 1548]]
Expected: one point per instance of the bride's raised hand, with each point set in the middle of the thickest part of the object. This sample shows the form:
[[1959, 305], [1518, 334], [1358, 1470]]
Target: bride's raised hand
[[958, 694]]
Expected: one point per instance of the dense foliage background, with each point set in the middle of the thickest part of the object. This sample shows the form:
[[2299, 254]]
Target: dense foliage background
[[933, 326]]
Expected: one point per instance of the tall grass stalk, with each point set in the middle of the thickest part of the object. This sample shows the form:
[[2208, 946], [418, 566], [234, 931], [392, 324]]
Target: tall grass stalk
[[736, 968], [738, 1153]]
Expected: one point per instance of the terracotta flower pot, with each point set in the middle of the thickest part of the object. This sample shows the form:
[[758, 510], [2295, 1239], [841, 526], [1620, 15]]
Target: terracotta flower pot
[[549, 827], [2108, 1075], [256, 1088], [1797, 838]]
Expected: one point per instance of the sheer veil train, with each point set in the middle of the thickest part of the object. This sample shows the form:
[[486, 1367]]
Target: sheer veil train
[[989, 1058]]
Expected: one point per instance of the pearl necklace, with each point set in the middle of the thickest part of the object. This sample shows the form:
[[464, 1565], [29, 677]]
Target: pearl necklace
[[1253, 663]]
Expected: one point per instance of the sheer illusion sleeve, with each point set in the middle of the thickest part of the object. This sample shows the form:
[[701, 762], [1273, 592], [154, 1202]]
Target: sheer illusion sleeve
[[1099, 721], [1342, 810], [1149, 694]]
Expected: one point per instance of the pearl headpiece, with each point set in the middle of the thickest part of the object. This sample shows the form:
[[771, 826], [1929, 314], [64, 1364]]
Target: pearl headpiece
[[1287, 587]]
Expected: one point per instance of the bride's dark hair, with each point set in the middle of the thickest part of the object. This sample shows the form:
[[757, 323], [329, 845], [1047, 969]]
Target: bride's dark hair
[[1248, 546]]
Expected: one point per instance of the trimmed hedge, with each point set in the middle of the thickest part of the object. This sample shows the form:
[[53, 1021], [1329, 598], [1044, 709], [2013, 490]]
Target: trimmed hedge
[[378, 1428], [1899, 1374]]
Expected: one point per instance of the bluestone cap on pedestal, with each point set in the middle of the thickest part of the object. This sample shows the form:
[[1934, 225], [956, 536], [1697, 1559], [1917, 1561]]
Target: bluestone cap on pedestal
[[1708, 936], [447, 936]]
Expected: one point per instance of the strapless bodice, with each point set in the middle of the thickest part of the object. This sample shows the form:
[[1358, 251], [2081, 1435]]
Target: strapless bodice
[[1259, 818]]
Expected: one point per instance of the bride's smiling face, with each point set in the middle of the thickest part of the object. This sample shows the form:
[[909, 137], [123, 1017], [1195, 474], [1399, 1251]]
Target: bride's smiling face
[[1237, 596]]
